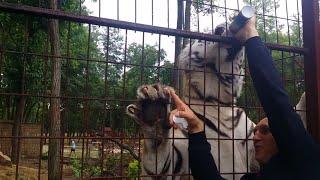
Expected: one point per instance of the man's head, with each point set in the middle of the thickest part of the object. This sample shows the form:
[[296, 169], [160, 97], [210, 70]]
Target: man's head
[[264, 143]]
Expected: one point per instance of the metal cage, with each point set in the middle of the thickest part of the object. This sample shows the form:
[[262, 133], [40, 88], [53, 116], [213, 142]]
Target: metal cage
[[104, 55]]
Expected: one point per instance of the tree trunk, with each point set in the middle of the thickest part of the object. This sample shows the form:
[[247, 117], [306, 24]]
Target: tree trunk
[[13, 108], [21, 101], [38, 114], [187, 16], [8, 106], [28, 112], [178, 45], [15, 154], [55, 123]]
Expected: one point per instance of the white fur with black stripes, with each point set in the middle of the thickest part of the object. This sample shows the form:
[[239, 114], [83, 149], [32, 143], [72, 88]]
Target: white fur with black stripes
[[214, 77], [161, 155]]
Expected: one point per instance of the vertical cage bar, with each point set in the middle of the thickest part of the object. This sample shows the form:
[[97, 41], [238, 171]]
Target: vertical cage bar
[[99, 8], [142, 60], [123, 133], [43, 117], [197, 12], [135, 11], [246, 108], [299, 29], [219, 108], [152, 13], [311, 39], [80, 7], [159, 60], [288, 25], [211, 14], [22, 100], [188, 78], [276, 17], [168, 12], [65, 101], [106, 94], [118, 10]]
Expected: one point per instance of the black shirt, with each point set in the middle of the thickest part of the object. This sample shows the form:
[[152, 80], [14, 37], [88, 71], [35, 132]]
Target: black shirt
[[299, 155]]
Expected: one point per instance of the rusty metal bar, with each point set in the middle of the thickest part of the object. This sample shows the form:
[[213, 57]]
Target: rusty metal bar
[[106, 94], [311, 39], [87, 137], [130, 26]]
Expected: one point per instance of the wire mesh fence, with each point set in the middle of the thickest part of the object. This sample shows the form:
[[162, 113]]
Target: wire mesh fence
[[103, 51]]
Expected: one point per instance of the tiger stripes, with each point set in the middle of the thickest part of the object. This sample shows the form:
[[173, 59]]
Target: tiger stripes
[[212, 79]]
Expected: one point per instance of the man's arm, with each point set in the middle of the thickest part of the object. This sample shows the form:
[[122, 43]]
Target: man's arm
[[201, 161], [286, 126]]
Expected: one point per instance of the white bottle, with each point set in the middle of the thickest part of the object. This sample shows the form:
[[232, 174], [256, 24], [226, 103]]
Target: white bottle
[[240, 20], [180, 122]]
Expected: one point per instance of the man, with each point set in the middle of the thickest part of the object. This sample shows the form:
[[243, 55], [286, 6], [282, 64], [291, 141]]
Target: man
[[73, 148], [264, 144], [284, 149]]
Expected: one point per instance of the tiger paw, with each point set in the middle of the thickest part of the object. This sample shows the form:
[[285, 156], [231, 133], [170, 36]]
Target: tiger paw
[[152, 106], [153, 92]]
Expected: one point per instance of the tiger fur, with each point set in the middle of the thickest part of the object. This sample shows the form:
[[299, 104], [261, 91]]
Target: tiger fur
[[212, 75], [160, 156]]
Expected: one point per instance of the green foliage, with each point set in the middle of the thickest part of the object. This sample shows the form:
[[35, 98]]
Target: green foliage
[[289, 65], [88, 170], [133, 169], [111, 162], [95, 171], [44, 156], [76, 167], [203, 6]]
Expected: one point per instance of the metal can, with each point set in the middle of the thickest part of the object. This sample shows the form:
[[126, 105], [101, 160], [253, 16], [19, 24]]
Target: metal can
[[241, 19]]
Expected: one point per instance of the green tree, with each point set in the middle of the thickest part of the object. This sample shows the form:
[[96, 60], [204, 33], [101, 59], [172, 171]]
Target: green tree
[[290, 65], [26, 68]]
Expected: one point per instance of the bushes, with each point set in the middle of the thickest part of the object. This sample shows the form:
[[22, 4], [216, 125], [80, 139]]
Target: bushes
[[88, 170], [133, 169]]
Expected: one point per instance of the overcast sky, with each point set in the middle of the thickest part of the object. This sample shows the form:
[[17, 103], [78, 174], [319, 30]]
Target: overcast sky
[[165, 15]]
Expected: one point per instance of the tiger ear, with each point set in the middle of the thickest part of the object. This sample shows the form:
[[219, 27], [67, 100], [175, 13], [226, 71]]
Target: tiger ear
[[135, 112]]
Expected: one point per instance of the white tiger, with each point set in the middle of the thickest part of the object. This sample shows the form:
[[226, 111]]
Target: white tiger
[[212, 79]]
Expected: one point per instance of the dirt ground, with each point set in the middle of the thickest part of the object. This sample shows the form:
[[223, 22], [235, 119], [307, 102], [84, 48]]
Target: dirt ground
[[25, 173], [30, 173], [115, 162]]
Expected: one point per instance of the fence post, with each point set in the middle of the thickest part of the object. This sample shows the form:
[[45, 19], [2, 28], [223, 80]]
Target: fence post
[[311, 39]]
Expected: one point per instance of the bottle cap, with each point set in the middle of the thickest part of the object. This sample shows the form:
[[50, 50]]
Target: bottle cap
[[247, 11], [240, 20]]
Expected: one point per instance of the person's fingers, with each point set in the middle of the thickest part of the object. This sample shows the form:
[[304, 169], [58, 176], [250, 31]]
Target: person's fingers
[[177, 101], [172, 113], [253, 20], [251, 23], [185, 114], [175, 126]]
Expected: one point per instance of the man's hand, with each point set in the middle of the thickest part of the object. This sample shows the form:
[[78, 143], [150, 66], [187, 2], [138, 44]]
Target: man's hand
[[195, 125], [248, 31]]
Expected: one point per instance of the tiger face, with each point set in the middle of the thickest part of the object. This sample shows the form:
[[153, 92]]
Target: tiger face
[[213, 70]]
